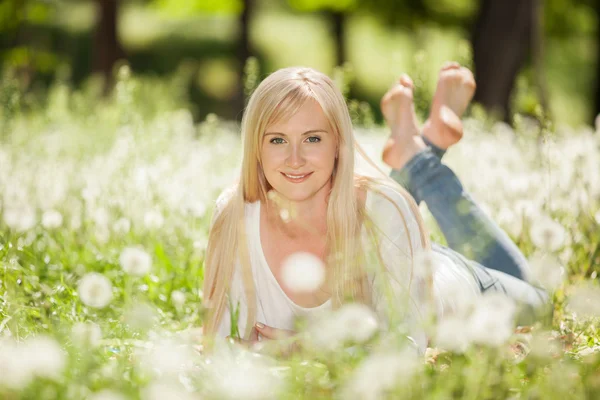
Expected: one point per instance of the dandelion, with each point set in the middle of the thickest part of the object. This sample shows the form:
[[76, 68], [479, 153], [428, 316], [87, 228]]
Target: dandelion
[[95, 290], [153, 220], [177, 298], [547, 270], [14, 370], [451, 334], [492, 321], [86, 334], [141, 316], [20, 219], [380, 373], [167, 358], [135, 261], [547, 234], [303, 272], [122, 226], [52, 219], [584, 300], [44, 357], [236, 374]]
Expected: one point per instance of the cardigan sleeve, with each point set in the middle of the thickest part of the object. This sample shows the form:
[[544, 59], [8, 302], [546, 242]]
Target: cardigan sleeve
[[401, 289]]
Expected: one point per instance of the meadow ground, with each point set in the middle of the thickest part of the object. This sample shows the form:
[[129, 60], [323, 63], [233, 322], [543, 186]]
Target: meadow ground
[[105, 211]]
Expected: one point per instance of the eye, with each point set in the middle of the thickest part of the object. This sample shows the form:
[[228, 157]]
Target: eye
[[276, 140], [314, 139]]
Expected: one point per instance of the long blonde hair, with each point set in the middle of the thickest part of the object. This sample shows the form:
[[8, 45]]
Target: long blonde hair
[[278, 97]]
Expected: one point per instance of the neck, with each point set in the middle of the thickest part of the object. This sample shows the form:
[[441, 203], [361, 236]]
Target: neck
[[306, 218]]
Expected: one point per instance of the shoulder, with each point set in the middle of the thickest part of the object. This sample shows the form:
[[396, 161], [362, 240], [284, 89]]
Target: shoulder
[[387, 200]]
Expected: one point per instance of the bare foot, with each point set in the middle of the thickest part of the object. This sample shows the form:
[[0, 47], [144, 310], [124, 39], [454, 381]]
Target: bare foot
[[455, 89], [399, 113]]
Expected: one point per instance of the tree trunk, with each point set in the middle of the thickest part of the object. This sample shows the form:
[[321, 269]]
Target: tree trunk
[[596, 109], [107, 49], [338, 23], [244, 51], [501, 43]]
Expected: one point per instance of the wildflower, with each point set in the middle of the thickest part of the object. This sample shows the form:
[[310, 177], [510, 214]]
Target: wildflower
[[153, 220], [44, 357], [20, 219], [451, 334], [135, 261], [303, 272], [492, 321], [167, 357], [95, 290], [547, 270], [141, 316], [86, 334], [547, 234], [584, 300], [380, 373], [122, 226], [177, 298], [236, 373], [52, 219]]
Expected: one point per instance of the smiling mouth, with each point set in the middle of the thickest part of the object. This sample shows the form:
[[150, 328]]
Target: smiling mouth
[[296, 178]]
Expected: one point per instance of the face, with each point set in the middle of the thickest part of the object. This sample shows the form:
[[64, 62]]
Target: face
[[298, 155]]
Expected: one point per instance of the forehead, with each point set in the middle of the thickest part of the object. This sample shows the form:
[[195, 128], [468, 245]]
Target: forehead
[[309, 115]]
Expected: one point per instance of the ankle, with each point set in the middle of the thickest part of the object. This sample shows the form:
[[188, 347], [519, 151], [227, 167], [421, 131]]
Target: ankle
[[406, 150]]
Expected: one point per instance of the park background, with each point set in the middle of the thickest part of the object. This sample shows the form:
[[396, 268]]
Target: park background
[[525, 54], [119, 127]]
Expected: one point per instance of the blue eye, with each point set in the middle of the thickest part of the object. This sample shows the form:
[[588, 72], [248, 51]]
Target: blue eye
[[276, 140], [314, 139]]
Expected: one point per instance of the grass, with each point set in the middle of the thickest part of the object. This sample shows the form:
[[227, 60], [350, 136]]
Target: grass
[[135, 171]]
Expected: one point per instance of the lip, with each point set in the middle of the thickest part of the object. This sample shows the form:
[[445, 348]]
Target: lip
[[306, 176]]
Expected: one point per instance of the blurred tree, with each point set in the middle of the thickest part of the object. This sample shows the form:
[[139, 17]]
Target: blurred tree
[[502, 40], [107, 47], [335, 12]]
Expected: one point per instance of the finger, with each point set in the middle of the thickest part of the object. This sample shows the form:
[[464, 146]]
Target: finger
[[253, 335], [273, 333]]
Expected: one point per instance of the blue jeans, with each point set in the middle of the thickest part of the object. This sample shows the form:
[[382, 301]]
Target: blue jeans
[[475, 240]]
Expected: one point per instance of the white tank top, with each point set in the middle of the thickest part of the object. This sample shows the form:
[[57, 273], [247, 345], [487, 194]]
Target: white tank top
[[276, 309]]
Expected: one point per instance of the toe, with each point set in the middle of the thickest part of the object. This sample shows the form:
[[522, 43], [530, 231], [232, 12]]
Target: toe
[[450, 65], [406, 81]]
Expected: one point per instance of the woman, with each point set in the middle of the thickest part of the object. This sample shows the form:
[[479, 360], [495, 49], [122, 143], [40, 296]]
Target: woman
[[298, 192]]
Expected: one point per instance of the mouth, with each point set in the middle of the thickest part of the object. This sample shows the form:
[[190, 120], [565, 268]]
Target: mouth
[[296, 178]]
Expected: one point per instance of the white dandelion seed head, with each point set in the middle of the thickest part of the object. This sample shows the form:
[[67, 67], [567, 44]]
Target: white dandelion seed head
[[451, 334], [167, 357], [492, 321], [380, 373], [358, 320], [100, 217], [106, 394], [177, 298], [584, 300], [547, 234], [153, 219], [141, 316], [20, 219], [303, 272], [547, 270], [122, 226], [15, 372], [45, 357], [95, 290], [52, 219], [236, 373], [86, 334], [135, 261]]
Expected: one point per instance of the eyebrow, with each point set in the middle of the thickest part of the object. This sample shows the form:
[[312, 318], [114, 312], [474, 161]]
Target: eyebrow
[[305, 133]]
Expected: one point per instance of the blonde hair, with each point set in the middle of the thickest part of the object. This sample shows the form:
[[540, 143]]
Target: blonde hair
[[277, 97]]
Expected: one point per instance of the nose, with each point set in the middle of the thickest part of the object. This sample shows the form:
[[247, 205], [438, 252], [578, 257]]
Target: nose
[[295, 159]]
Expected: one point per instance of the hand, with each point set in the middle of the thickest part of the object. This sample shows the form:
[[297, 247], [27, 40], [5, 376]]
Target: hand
[[271, 333], [247, 343], [282, 341]]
